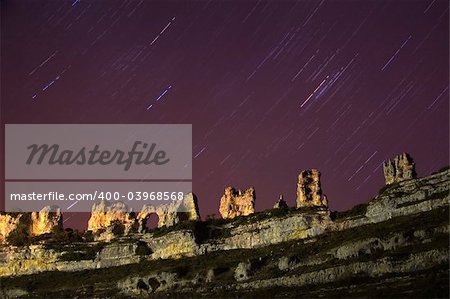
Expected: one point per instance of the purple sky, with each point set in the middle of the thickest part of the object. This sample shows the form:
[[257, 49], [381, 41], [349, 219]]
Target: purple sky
[[271, 88]]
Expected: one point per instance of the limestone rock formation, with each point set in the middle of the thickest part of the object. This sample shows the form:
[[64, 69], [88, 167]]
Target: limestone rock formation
[[171, 213], [8, 222], [309, 190], [45, 221], [415, 200], [242, 271], [167, 215], [402, 168], [281, 203], [237, 203], [210, 275], [287, 263], [105, 215], [36, 223], [188, 210]]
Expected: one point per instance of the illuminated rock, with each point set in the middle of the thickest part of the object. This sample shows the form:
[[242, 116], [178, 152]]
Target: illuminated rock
[[401, 169], [309, 190], [104, 216], [237, 203], [171, 213], [8, 222], [45, 221]]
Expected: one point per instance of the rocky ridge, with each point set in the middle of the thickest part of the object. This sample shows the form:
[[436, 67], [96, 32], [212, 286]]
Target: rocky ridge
[[399, 238]]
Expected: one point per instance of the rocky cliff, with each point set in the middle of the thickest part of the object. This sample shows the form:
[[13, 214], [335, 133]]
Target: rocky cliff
[[402, 168], [395, 245], [105, 215], [237, 203], [309, 190], [45, 221], [34, 224], [173, 213], [8, 223]]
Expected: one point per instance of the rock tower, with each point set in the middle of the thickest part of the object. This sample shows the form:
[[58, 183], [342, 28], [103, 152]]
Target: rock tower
[[402, 168], [309, 191]]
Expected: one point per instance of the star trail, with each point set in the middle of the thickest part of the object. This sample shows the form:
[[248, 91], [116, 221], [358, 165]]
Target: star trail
[[270, 87]]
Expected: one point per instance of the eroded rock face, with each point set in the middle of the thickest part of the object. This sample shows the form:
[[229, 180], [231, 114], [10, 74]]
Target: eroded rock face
[[287, 263], [167, 215], [309, 190], [36, 223], [45, 221], [105, 215], [210, 275], [402, 168], [8, 223], [242, 271], [237, 203], [171, 213], [190, 205]]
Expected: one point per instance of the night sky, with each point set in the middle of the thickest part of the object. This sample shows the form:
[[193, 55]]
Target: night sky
[[271, 88]]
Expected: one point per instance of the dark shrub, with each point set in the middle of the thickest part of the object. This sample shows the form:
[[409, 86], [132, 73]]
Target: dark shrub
[[59, 235], [118, 229], [88, 236], [356, 211], [141, 285], [154, 283], [80, 251], [20, 236], [142, 249]]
